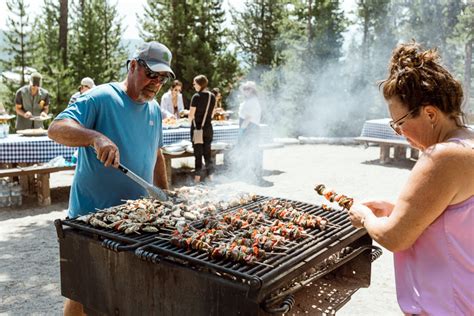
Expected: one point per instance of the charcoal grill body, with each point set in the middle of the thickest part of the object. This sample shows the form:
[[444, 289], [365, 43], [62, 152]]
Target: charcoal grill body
[[119, 278]]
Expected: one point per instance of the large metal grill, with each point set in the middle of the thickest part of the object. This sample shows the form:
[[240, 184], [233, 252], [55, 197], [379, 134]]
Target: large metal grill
[[262, 288]]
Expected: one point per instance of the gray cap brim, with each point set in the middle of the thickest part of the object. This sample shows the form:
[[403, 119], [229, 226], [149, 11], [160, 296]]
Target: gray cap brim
[[160, 67]]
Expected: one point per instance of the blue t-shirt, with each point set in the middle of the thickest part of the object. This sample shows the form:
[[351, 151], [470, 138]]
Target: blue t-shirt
[[136, 130]]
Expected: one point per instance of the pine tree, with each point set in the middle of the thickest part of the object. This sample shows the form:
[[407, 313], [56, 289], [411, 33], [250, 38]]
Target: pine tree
[[369, 59], [257, 31], [325, 23], [193, 32], [463, 37], [19, 48], [49, 57], [95, 49], [430, 22]]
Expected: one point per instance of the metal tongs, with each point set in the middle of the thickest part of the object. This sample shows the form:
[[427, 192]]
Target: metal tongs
[[152, 190]]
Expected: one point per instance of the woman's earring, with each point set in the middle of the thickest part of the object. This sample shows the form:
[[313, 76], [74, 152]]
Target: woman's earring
[[432, 126]]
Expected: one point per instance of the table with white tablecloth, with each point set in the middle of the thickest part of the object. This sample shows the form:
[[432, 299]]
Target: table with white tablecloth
[[379, 132]]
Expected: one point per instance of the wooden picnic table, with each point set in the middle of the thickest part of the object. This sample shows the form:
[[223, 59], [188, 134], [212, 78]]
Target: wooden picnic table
[[380, 133]]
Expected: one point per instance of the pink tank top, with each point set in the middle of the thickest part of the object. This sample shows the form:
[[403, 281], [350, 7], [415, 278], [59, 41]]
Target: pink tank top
[[435, 276]]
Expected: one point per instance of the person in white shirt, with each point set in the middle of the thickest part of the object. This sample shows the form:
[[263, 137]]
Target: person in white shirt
[[250, 111], [172, 100], [248, 145], [86, 84]]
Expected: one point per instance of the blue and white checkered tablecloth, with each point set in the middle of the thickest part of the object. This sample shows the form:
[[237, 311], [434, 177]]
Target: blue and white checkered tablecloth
[[16, 148], [379, 128], [226, 134], [21, 149]]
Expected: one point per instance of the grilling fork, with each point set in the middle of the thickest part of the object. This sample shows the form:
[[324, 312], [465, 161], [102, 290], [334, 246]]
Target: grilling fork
[[152, 190]]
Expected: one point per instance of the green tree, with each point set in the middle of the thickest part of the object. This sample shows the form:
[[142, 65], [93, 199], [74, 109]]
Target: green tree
[[463, 36], [19, 48], [194, 33], [430, 22], [376, 23], [49, 56], [95, 49], [325, 22], [257, 31]]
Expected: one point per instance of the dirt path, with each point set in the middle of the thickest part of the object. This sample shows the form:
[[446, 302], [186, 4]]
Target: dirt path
[[29, 267]]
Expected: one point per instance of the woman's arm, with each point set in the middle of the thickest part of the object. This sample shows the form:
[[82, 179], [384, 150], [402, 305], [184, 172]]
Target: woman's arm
[[166, 102], [192, 109], [433, 183], [192, 113]]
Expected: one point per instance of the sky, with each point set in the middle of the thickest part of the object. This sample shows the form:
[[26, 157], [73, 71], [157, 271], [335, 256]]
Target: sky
[[128, 9]]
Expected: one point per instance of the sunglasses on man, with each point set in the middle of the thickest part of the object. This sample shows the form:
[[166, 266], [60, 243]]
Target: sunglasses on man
[[152, 75]]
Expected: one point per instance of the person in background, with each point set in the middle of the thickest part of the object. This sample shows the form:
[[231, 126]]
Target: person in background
[[31, 101], [86, 84], [200, 116], [115, 123], [430, 226], [218, 113], [217, 93], [250, 155], [172, 100]]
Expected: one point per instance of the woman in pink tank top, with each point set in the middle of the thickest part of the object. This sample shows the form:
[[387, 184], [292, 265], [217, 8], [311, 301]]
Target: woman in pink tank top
[[430, 228]]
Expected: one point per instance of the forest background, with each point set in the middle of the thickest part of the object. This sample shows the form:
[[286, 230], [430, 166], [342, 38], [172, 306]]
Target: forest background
[[316, 65]]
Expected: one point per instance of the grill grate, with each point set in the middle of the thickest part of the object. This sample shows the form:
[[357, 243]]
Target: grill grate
[[297, 258], [319, 241]]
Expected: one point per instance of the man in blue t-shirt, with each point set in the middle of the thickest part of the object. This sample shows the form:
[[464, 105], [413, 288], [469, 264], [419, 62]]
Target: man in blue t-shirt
[[122, 122]]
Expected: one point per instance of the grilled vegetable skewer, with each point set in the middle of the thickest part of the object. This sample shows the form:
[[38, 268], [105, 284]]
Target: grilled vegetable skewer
[[286, 211], [332, 196]]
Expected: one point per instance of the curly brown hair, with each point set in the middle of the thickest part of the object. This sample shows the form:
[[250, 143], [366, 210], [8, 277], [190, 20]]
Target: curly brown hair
[[417, 77]]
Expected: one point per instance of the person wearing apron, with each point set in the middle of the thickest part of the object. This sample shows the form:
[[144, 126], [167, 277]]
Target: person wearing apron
[[30, 101]]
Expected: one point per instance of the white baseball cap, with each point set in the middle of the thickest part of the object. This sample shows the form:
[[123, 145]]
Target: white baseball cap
[[86, 81]]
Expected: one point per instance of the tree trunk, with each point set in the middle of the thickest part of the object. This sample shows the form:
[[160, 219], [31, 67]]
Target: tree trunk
[[63, 9], [467, 78], [310, 27], [365, 38]]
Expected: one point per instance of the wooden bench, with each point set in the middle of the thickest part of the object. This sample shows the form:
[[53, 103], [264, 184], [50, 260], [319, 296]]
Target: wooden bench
[[41, 185], [169, 157], [400, 148]]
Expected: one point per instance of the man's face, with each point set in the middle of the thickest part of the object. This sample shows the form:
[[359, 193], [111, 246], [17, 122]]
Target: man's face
[[34, 89], [84, 88], [147, 83]]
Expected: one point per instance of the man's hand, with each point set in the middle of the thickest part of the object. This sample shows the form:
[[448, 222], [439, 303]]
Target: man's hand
[[107, 151], [27, 115]]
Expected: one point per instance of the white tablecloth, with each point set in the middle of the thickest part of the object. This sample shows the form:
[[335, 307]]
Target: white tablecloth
[[379, 128]]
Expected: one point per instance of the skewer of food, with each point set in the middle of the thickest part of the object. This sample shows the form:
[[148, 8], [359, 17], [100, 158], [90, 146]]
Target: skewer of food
[[231, 251], [330, 195], [286, 211]]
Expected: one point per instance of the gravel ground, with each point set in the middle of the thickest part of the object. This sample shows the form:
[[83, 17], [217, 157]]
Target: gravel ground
[[29, 268]]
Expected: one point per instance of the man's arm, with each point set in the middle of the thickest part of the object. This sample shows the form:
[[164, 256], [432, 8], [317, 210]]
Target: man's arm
[[70, 133], [45, 105], [19, 110], [159, 173]]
